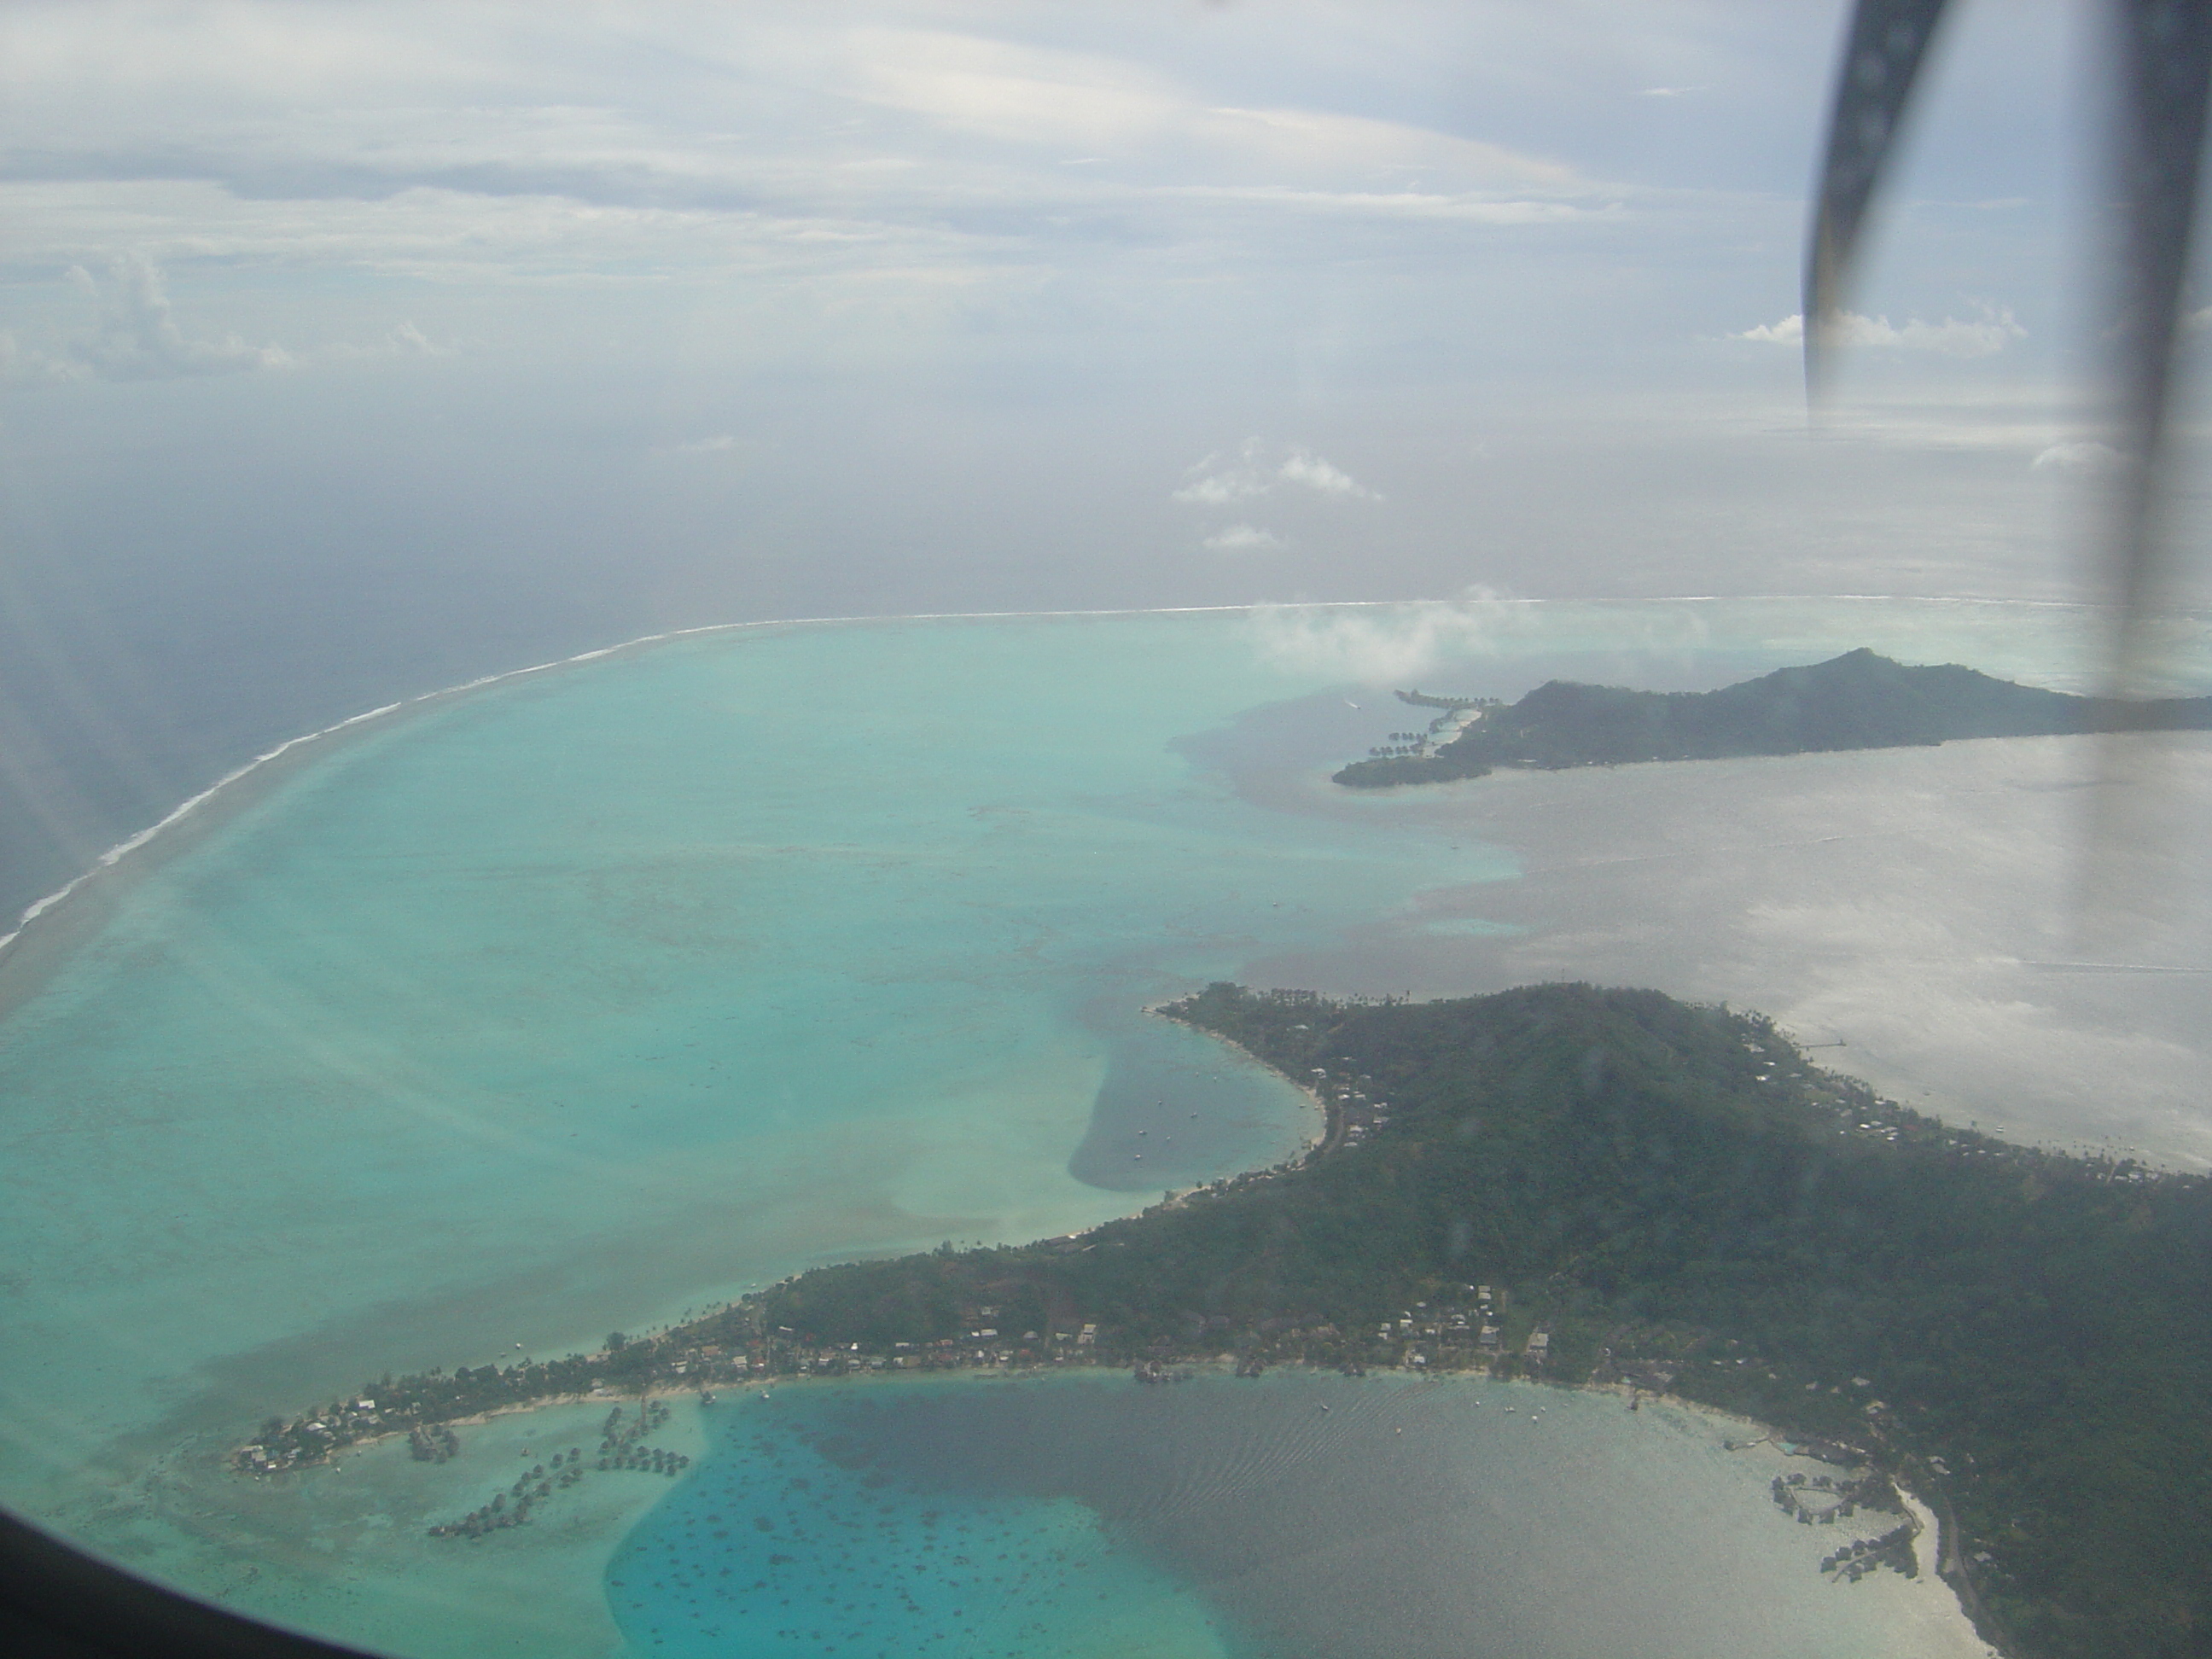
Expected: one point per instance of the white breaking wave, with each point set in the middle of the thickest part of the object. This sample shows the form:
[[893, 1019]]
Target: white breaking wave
[[122, 849], [1487, 605]]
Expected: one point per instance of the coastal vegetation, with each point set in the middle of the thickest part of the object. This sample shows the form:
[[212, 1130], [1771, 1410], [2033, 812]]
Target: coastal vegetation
[[1600, 1186], [1856, 701]]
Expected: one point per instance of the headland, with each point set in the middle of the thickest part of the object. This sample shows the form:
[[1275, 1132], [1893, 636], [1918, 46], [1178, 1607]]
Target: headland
[[1610, 1187], [1857, 700]]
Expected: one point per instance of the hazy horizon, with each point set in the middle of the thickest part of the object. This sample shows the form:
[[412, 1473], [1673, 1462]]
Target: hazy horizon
[[345, 353]]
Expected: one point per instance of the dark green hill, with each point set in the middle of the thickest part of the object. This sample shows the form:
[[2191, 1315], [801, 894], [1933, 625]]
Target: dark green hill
[[1680, 1199], [1857, 700]]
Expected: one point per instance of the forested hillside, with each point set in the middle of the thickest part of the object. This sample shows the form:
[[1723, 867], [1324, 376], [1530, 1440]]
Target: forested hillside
[[1675, 1195], [1856, 701]]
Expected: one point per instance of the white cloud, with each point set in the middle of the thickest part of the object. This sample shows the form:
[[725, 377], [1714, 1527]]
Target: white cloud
[[1243, 538], [446, 143], [1093, 105], [405, 340], [1404, 204], [720, 443], [2082, 455], [22, 365], [1983, 337], [1316, 474], [138, 338], [1220, 481], [1214, 482], [1790, 331], [135, 336], [1390, 644], [1668, 92]]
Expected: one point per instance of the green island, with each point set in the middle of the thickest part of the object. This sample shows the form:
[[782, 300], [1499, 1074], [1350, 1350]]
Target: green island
[[1857, 700], [1584, 1187]]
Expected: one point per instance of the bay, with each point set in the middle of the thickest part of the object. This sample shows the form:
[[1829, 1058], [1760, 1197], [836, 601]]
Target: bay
[[1295, 1514]]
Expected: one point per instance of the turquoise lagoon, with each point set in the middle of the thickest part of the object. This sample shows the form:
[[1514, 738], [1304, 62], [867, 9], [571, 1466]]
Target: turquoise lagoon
[[579, 1000]]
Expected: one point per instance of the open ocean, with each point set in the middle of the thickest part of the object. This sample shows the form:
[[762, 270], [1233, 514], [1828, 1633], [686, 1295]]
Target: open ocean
[[580, 1001]]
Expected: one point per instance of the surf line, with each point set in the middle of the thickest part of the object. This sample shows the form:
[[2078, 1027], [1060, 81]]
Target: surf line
[[122, 849]]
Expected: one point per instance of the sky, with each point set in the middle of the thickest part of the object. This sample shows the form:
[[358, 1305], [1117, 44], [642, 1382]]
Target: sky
[[347, 350]]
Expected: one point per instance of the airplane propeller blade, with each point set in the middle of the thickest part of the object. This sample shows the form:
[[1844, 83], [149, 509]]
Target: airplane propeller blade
[[1882, 55]]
